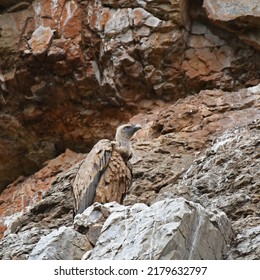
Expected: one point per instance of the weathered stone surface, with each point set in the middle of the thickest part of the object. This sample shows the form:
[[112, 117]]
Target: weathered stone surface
[[18, 7], [233, 9], [174, 136], [9, 3], [135, 27], [90, 222], [106, 62], [18, 246], [24, 193], [227, 177], [103, 58], [208, 56], [247, 245], [239, 16], [62, 244], [54, 210], [41, 40], [169, 229]]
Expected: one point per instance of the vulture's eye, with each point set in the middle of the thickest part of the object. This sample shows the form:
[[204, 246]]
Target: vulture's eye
[[127, 127]]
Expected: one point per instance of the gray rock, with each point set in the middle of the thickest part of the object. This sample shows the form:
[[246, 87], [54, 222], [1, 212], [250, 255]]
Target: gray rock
[[227, 177], [234, 14], [231, 10], [19, 245], [53, 211], [62, 244], [247, 245], [90, 222], [169, 229]]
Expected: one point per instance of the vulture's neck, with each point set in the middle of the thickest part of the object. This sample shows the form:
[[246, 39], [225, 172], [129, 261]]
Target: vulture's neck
[[123, 147]]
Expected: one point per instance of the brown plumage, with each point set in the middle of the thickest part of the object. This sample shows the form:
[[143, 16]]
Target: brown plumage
[[106, 173]]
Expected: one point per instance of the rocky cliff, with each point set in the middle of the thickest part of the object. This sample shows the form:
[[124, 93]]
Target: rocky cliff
[[188, 71]]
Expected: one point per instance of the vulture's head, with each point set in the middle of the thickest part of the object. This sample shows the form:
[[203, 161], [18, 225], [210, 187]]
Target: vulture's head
[[126, 131]]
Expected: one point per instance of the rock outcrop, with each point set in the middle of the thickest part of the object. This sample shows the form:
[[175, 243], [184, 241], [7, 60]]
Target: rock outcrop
[[53, 210], [169, 229], [62, 244], [180, 132], [228, 177], [67, 64], [71, 71], [233, 189], [240, 17]]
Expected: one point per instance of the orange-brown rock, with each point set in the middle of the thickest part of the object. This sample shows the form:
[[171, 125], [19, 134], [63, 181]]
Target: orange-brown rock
[[103, 58], [3, 228], [24, 193], [41, 40]]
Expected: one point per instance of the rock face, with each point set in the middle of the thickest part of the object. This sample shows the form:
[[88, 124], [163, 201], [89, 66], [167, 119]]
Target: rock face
[[55, 209], [181, 132], [64, 243], [67, 64], [169, 229], [72, 71], [16, 3], [21, 195], [228, 177], [164, 167], [240, 17]]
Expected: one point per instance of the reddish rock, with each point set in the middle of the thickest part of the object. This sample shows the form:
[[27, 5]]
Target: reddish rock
[[24, 193], [41, 40], [70, 22], [3, 228], [105, 58]]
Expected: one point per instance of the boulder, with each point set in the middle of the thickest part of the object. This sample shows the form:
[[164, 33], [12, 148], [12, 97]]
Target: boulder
[[227, 177], [62, 244], [17, 246], [168, 229]]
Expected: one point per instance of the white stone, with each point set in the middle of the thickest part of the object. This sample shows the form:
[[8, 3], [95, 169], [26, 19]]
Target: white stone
[[169, 229], [118, 23], [62, 244], [153, 22], [255, 89]]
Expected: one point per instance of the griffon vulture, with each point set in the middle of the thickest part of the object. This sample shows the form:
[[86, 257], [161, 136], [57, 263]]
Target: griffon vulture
[[106, 173]]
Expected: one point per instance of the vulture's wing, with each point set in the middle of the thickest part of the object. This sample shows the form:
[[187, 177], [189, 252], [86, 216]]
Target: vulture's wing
[[115, 180], [89, 173]]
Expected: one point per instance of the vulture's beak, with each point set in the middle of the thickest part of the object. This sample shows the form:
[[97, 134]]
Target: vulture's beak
[[137, 127]]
